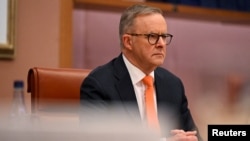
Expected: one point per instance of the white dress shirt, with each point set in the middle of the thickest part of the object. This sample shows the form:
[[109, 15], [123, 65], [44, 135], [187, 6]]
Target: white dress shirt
[[136, 76]]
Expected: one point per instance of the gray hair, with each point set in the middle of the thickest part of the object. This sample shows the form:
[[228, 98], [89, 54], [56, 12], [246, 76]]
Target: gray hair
[[128, 16]]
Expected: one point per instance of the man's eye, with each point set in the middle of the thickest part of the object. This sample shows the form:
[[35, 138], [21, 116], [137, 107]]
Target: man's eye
[[164, 36], [153, 36]]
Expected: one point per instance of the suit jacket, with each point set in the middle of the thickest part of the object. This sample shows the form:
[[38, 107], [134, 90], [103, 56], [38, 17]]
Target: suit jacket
[[111, 84]]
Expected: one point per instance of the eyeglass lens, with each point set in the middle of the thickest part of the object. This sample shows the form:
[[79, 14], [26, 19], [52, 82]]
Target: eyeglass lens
[[154, 38]]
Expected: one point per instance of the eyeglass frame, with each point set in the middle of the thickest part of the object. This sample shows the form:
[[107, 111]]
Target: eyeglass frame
[[158, 37]]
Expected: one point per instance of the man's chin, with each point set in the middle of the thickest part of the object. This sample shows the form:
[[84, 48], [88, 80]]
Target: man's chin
[[158, 63]]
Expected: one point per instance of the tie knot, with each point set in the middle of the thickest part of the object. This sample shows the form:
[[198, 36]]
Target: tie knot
[[148, 81]]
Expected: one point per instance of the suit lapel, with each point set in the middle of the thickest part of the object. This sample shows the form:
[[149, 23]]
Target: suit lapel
[[160, 87], [166, 111], [125, 87], [164, 89]]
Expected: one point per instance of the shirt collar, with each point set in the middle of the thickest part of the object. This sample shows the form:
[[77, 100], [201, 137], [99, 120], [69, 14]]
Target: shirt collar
[[135, 73]]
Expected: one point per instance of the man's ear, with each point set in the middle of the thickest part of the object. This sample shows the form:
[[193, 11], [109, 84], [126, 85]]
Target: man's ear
[[127, 41]]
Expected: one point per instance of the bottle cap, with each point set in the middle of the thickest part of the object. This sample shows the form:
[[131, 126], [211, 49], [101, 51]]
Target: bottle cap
[[18, 84]]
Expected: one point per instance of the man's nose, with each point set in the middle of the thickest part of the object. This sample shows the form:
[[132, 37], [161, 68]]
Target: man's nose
[[161, 41]]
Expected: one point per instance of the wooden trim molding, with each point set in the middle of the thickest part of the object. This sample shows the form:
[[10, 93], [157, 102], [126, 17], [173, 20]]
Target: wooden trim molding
[[66, 35], [182, 11]]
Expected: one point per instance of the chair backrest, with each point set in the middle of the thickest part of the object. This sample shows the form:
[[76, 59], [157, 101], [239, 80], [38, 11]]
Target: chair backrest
[[54, 86]]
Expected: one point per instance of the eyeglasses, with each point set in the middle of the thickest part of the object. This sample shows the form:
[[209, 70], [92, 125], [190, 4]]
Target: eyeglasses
[[153, 38]]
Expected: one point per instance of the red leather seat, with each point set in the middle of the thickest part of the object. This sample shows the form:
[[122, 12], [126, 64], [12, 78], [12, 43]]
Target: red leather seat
[[52, 87]]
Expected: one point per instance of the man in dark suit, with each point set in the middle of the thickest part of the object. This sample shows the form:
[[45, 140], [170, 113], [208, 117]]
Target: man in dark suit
[[144, 39]]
